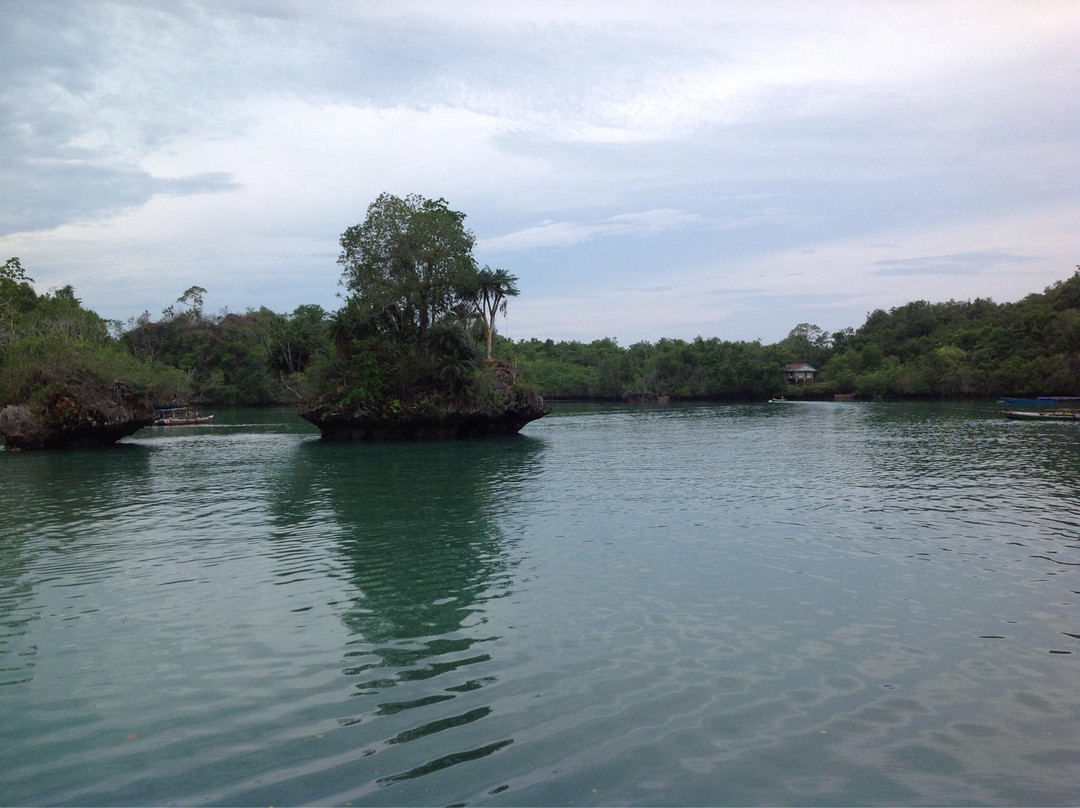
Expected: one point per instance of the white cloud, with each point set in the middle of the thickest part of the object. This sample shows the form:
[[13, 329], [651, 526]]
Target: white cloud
[[566, 234], [686, 150]]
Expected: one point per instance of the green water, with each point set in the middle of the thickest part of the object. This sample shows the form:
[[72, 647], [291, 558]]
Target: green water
[[686, 605]]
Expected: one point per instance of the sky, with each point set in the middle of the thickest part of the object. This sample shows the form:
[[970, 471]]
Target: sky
[[646, 170]]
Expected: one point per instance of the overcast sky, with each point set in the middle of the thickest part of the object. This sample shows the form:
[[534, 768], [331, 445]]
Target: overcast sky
[[647, 170]]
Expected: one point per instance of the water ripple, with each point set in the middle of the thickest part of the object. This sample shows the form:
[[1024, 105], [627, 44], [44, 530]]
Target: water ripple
[[733, 604]]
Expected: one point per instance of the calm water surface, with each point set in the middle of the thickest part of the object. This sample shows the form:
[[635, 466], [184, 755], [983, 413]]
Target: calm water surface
[[691, 605]]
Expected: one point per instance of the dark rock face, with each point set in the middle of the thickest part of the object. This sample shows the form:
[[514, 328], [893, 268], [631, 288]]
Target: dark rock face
[[448, 423], [66, 422], [504, 414]]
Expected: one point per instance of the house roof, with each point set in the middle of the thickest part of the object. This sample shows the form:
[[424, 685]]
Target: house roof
[[799, 366]]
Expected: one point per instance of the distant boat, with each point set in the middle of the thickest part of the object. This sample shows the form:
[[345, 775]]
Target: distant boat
[[1041, 401], [1043, 408], [1043, 415], [181, 416]]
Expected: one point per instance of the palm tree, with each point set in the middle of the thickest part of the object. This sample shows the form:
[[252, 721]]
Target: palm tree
[[493, 287]]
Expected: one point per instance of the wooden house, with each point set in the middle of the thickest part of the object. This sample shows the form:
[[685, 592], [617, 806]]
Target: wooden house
[[799, 374]]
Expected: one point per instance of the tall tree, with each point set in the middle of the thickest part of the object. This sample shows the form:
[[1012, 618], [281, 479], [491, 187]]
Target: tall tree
[[408, 264], [193, 299], [12, 270], [16, 295], [493, 287]]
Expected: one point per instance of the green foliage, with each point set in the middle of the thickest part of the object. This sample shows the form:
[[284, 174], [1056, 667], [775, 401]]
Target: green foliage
[[921, 349], [17, 297], [51, 344], [454, 355], [416, 307], [972, 348], [807, 343], [34, 367], [193, 299], [489, 294], [360, 382], [700, 369], [408, 265], [259, 357]]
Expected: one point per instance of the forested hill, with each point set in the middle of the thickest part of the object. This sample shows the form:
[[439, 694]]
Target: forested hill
[[935, 350]]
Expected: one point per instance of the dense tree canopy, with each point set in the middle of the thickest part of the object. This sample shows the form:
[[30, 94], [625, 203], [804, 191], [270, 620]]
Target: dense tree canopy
[[406, 358], [406, 266], [417, 304], [258, 357]]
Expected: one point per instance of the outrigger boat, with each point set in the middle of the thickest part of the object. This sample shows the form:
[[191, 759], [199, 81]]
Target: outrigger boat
[[181, 416], [1046, 408]]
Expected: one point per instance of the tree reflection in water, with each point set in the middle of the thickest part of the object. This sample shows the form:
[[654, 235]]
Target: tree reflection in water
[[420, 536]]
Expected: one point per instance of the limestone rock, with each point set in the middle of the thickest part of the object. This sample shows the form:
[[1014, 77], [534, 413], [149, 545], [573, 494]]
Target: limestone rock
[[67, 421], [503, 412]]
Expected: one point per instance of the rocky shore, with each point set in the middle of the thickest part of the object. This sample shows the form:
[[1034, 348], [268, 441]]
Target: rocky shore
[[69, 421], [503, 412]]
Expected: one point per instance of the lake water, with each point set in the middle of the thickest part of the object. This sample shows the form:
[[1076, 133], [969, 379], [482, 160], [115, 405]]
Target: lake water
[[689, 605]]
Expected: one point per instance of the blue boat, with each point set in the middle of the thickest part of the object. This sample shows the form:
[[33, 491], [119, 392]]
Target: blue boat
[[1037, 402], [1043, 408]]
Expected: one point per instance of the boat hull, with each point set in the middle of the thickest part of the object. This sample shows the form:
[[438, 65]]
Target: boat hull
[[204, 419], [1049, 415]]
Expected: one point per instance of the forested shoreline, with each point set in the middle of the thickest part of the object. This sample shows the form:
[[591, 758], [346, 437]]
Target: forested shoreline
[[955, 349]]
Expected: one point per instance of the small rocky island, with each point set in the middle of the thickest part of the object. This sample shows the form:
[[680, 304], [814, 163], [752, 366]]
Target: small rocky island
[[65, 383], [86, 418], [431, 417], [407, 361]]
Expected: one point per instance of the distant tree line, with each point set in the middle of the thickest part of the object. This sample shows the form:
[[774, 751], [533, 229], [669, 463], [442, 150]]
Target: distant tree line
[[920, 350], [437, 331]]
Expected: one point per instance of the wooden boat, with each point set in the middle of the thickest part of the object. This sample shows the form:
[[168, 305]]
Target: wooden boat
[[181, 416], [1043, 415], [1043, 408]]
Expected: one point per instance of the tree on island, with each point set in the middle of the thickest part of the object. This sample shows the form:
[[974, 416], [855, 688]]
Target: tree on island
[[408, 265], [406, 364], [493, 287]]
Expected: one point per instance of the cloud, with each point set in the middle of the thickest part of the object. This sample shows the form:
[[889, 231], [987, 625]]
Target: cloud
[[50, 194], [737, 292], [700, 165], [649, 289], [969, 263], [565, 234]]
